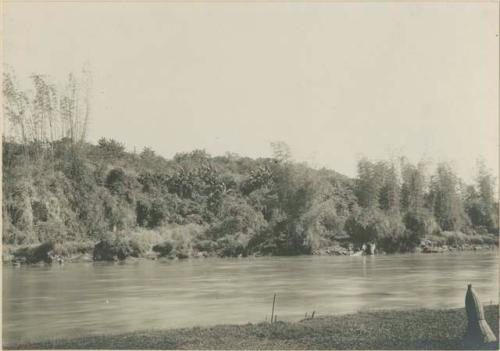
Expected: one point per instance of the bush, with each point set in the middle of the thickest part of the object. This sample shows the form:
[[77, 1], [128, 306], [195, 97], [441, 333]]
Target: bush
[[115, 181], [7, 253], [437, 239], [396, 238], [152, 213], [419, 223], [368, 226], [206, 245], [111, 149], [40, 211], [477, 240], [489, 239], [51, 231], [143, 241], [230, 247], [456, 238], [35, 254], [113, 247], [73, 247], [182, 238], [164, 248]]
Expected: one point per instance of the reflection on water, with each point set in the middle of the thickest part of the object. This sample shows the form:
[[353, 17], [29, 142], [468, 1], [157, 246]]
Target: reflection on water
[[81, 299]]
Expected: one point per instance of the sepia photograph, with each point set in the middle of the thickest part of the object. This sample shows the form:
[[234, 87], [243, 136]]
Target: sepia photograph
[[250, 175]]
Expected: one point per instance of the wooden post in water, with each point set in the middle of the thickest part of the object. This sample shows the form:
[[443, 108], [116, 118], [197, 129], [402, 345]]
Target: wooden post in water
[[478, 330], [272, 312]]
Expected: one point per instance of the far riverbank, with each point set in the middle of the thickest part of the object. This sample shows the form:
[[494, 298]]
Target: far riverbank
[[93, 251]]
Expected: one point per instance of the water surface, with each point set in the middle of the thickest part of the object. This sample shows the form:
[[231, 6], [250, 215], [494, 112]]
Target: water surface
[[94, 298]]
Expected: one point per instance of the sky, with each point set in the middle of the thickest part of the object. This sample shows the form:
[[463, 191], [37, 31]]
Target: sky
[[336, 81]]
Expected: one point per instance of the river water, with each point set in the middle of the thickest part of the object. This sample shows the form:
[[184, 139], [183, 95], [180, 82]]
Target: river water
[[77, 299]]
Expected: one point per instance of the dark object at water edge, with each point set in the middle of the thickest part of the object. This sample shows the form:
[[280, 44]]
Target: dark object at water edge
[[478, 331]]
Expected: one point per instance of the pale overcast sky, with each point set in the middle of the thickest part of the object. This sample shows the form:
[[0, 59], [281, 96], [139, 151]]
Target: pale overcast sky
[[333, 80]]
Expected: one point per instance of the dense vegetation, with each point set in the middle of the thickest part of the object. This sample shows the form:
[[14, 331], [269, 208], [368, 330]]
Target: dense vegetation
[[381, 330], [74, 197]]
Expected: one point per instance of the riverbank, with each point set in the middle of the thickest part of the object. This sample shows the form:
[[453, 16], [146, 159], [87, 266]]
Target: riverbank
[[331, 251], [92, 251], [422, 329]]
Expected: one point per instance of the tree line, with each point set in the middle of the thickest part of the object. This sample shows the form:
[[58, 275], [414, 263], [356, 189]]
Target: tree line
[[77, 196]]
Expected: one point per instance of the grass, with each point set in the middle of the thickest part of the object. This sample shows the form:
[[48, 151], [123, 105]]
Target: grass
[[412, 329]]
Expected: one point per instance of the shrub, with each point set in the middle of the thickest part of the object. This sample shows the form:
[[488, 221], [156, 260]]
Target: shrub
[[152, 213], [232, 246], [143, 241], [477, 240], [164, 248], [395, 237], [111, 149], [35, 254], [206, 245], [40, 211], [455, 238], [368, 226], [419, 223], [51, 231], [7, 253], [437, 239], [113, 247], [73, 247], [115, 181], [489, 239]]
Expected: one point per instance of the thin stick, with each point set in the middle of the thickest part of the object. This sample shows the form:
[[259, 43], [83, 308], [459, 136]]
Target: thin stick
[[313, 314], [272, 313]]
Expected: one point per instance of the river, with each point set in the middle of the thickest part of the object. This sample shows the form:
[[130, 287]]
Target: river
[[77, 299]]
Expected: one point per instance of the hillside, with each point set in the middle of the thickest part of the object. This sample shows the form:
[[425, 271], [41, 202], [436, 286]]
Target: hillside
[[64, 198]]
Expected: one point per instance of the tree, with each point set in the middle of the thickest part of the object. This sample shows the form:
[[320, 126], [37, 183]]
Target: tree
[[368, 184], [377, 185], [281, 151], [148, 154], [445, 199], [367, 226], [16, 109], [46, 114], [390, 192], [480, 203], [111, 148], [75, 106], [419, 224], [115, 181], [413, 186]]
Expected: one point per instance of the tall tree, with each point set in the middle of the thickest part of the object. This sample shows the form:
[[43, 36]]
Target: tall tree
[[446, 200], [413, 186], [281, 151], [368, 184], [390, 192], [480, 202], [44, 113], [15, 107]]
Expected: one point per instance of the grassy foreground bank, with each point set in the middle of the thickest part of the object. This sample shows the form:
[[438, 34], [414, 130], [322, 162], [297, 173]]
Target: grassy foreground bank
[[413, 329]]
